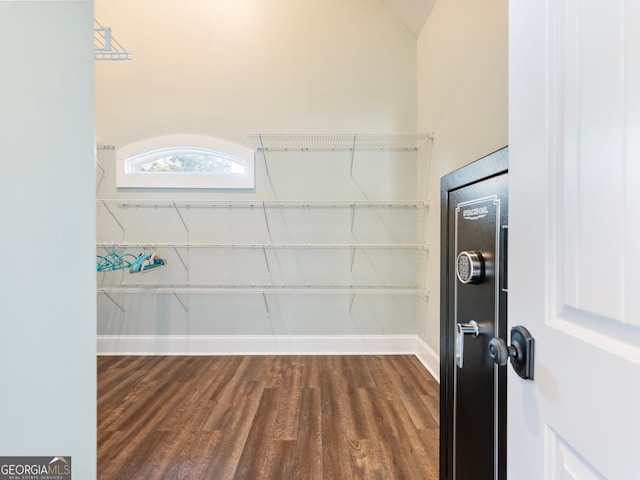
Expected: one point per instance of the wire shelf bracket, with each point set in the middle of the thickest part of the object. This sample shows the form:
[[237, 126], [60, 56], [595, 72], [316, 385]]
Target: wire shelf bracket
[[353, 154], [99, 165], [124, 231], [106, 294], [353, 297], [184, 264], [184, 224], [106, 47], [184, 307]]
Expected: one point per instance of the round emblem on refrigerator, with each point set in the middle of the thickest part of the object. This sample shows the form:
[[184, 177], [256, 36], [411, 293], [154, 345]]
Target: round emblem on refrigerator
[[470, 267]]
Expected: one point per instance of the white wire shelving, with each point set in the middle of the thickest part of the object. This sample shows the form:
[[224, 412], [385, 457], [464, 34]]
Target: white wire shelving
[[340, 142], [179, 206], [263, 203], [274, 246], [344, 142], [267, 288], [106, 47], [181, 290], [120, 209]]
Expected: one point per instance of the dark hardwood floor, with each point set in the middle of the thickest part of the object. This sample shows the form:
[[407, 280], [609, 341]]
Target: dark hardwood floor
[[266, 417]]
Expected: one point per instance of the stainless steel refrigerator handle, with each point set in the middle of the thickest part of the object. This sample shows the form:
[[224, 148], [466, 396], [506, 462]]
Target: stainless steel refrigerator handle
[[463, 329]]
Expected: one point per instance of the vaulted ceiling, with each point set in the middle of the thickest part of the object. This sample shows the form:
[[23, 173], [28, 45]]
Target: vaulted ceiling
[[414, 13]]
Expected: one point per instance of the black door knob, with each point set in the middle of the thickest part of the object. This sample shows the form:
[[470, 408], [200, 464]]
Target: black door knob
[[520, 352], [500, 352]]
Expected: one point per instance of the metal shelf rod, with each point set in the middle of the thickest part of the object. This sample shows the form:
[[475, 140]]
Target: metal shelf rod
[[341, 141], [311, 289], [256, 246], [264, 203], [264, 150]]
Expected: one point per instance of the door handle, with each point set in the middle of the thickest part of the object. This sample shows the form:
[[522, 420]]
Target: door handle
[[463, 329], [520, 352]]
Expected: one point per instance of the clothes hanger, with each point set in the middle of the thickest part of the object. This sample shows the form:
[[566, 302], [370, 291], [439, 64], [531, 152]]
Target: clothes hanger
[[146, 262]]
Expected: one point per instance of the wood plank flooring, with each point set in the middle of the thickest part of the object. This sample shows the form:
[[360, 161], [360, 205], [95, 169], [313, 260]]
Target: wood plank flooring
[[266, 417]]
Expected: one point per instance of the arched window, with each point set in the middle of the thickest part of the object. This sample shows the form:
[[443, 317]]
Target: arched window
[[185, 161]]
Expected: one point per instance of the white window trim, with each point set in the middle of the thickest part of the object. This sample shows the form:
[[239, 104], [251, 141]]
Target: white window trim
[[126, 179]]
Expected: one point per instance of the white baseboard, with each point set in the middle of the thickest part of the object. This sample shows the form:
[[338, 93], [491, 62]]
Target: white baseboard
[[429, 358], [270, 345], [254, 344]]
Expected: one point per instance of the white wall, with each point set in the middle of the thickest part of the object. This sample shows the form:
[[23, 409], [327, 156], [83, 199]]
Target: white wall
[[233, 67], [285, 66], [47, 311], [311, 176], [462, 97]]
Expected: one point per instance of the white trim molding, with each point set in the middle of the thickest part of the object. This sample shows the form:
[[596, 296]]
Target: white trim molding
[[428, 357], [271, 345], [256, 344], [154, 147]]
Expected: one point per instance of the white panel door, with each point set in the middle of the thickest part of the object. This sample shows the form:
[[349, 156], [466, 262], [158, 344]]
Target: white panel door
[[574, 279]]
